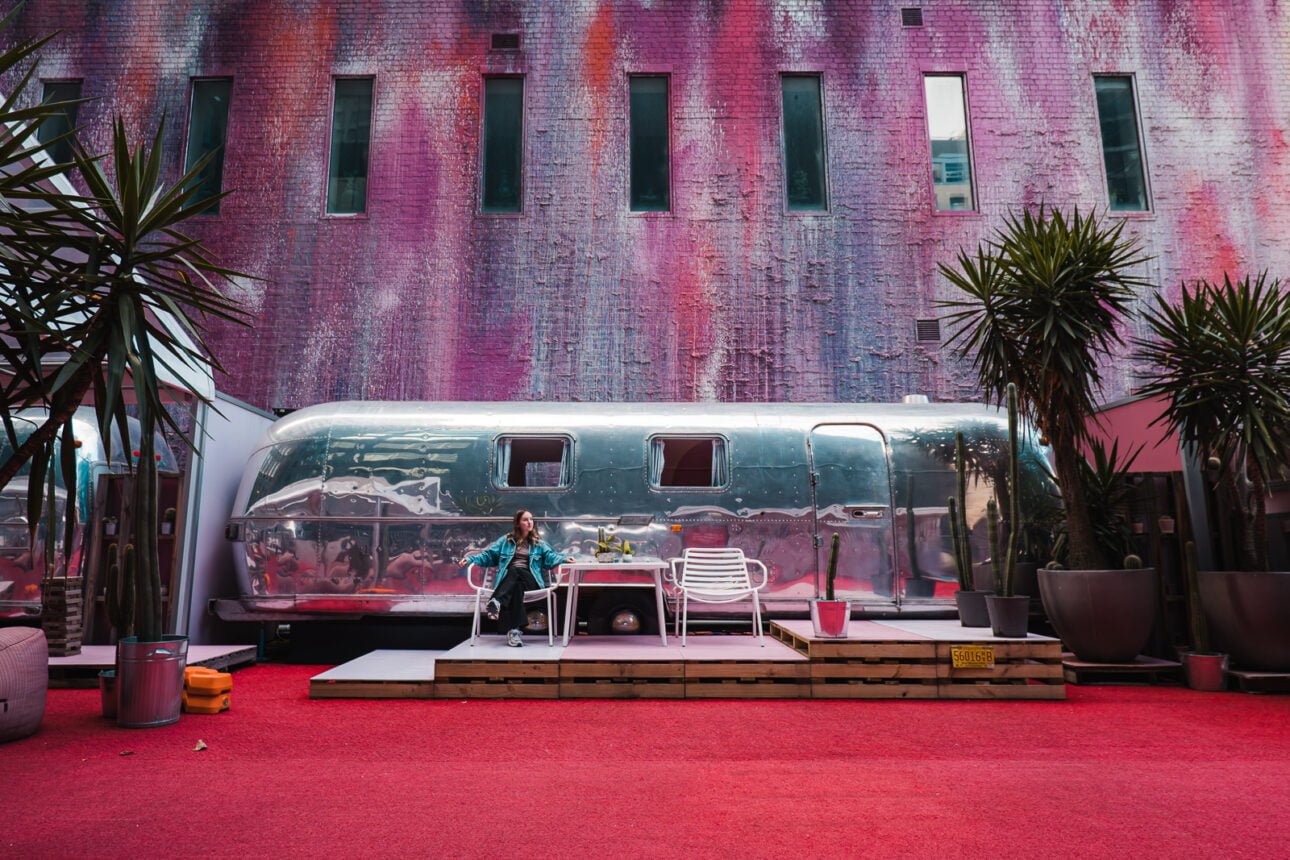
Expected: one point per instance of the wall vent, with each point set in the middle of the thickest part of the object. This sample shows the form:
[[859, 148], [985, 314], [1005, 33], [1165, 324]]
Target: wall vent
[[506, 42], [911, 16], [928, 331]]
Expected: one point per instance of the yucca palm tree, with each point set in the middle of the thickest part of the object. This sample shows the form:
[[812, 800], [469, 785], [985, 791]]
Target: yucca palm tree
[[1220, 358], [1043, 301], [92, 288]]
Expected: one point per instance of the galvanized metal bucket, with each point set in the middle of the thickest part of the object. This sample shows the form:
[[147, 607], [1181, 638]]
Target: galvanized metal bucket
[[150, 681], [830, 618]]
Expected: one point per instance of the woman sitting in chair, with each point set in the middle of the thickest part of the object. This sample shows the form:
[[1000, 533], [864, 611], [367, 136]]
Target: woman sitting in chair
[[524, 562]]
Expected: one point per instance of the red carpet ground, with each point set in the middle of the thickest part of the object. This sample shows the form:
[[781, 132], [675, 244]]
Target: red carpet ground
[[1112, 772]]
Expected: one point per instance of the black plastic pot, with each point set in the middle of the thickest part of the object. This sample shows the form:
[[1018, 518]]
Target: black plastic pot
[[972, 608], [1008, 615]]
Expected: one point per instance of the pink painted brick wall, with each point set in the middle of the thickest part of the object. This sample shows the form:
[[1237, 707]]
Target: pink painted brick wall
[[728, 296]]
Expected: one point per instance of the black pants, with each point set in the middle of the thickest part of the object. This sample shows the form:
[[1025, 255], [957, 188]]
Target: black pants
[[510, 594]]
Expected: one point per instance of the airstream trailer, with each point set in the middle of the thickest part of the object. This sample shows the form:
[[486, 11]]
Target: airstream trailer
[[22, 562], [361, 508]]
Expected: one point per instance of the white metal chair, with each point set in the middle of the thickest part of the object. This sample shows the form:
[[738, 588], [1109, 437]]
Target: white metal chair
[[484, 592], [716, 576]]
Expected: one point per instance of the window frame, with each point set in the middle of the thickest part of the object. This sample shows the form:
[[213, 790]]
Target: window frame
[[726, 453], [827, 208], [1143, 158], [80, 94], [671, 198], [569, 443], [484, 78], [330, 125], [962, 75], [228, 122]]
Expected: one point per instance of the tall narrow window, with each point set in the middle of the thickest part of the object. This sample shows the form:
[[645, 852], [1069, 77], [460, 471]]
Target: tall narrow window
[[61, 122], [207, 132], [503, 143], [351, 131], [1126, 184], [649, 128], [951, 150], [804, 142]]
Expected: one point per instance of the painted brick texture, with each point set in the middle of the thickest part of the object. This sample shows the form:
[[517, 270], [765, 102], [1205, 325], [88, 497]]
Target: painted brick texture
[[728, 296]]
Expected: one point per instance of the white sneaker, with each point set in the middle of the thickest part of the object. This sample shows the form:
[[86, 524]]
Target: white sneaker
[[493, 610], [515, 639]]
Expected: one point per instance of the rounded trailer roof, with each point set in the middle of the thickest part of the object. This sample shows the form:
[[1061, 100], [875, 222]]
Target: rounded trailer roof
[[372, 416]]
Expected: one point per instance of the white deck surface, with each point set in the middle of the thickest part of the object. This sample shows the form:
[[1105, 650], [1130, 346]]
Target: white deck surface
[[893, 630], [104, 656], [385, 665]]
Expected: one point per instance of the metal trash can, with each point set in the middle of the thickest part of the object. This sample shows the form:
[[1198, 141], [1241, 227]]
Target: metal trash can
[[150, 681]]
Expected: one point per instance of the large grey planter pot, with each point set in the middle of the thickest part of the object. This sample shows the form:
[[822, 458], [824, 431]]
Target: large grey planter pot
[[150, 681], [1103, 616], [1249, 616]]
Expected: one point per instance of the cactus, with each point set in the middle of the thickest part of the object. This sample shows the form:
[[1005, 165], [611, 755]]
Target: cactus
[[1195, 617], [119, 591], [992, 530], [1006, 581], [960, 537], [832, 575], [915, 569], [1054, 565], [1132, 562]]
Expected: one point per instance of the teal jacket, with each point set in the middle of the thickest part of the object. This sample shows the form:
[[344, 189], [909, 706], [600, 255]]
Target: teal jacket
[[500, 552]]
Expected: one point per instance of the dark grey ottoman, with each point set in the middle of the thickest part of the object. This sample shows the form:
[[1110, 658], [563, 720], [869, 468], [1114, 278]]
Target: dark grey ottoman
[[24, 678]]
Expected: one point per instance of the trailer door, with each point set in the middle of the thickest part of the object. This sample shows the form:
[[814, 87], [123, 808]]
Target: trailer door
[[851, 488]]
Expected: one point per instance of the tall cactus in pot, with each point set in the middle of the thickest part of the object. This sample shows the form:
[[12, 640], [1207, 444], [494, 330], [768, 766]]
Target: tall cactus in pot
[[1007, 576]]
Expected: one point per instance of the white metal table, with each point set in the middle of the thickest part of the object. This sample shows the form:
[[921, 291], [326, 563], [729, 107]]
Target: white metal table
[[639, 564]]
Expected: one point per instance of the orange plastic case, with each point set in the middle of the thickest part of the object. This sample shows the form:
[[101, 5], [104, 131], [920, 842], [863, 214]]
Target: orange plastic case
[[206, 691]]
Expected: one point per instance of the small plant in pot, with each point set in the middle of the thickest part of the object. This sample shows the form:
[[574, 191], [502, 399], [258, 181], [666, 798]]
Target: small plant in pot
[[1205, 669], [1009, 612], [829, 616], [971, 602], [1221, 362]]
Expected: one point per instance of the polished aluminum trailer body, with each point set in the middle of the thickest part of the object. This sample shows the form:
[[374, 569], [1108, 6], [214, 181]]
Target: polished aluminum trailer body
[[362, 507]]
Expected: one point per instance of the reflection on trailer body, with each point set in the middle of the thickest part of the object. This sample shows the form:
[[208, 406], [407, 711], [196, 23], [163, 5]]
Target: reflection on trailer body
[[362, 508]]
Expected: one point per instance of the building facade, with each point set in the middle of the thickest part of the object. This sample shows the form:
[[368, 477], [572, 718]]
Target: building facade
[[672, 199]]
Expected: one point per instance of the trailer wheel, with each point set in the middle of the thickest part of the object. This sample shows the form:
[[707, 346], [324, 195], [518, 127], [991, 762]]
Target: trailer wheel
[[622, 612]]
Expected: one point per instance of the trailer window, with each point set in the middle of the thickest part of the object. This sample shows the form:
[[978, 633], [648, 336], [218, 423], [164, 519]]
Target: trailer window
[[688, 461], [532, 461]]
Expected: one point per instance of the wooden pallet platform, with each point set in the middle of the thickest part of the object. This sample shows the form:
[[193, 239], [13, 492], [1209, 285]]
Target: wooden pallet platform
[[82, 670], [1143, 670], [1260, 682], [892, 661]]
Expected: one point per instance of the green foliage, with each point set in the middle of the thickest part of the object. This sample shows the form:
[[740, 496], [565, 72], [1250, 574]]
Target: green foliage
[[94, 291], [960, 534], [831, 577], [1195, 617], [1105, 481], [1043, 302], [1220, 358]]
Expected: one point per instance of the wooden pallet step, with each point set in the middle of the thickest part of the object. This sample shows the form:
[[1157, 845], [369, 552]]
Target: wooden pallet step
[[764, 670], [606, 670], [1260, 682], [1143, 670], [861, 690], [455, 690], [630, 688], [986, 690], [728, 688], [370, 689]]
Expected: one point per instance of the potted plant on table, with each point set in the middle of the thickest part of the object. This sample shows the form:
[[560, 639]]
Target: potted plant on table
[[1043, 302], [1221, 362], [830, 617], [1204, 669]]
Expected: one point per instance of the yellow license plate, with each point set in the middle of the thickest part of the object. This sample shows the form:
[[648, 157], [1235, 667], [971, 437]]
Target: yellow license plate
[[972, 657]]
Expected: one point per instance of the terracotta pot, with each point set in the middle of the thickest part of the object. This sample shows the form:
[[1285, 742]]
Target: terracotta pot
[[1104, 616], [972, 608], [1249, 616]]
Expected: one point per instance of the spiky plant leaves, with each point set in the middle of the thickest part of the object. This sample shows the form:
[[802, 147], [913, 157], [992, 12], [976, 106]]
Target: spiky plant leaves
[[1043, 300]]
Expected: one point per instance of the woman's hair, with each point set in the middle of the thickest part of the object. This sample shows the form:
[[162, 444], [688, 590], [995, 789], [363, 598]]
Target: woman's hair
[[534, 536]]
